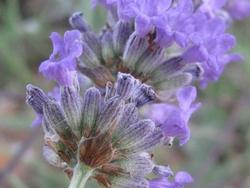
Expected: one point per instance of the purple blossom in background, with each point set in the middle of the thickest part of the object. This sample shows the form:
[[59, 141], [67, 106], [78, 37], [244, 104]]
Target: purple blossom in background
[[173, 120], [61, 66], [238, 9], [180, 180]]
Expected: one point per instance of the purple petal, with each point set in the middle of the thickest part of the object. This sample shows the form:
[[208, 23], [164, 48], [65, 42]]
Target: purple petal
[[180, 38], [195, 54], [72, 42], [57, 42], [142, 25], [182, 178], [58, 71], [185, 6], [177, 127], [226, 43], [160, 183], [172, 121], [186, 97]]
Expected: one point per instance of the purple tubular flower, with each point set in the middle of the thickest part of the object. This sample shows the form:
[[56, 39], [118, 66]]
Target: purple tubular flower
[[177, 24], [61, 65], [160, 17], [173, 120], [146, 13], [180, 180], [211, 46]]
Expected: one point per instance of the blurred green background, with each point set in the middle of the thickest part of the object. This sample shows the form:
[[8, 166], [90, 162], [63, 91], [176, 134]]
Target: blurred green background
[[218, 155]]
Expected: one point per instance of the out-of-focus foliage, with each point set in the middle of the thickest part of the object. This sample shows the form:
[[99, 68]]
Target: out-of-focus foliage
[[218, 154]]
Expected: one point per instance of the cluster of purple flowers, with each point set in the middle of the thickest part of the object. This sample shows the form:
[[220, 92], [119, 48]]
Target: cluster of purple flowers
[[150, 51]]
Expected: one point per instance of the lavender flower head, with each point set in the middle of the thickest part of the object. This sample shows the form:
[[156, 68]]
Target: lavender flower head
[[149, 54], [100, 135], [189, 25]]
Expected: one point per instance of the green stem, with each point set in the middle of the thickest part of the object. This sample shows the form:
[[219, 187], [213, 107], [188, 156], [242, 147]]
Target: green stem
[[80, 177]]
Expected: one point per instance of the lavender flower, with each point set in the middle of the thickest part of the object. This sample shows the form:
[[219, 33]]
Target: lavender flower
[[210, 46], [148, 15], [61, 65], [198, 29], [150, 51], [169, 21], [173, 120], [122, 50], [102, 136]]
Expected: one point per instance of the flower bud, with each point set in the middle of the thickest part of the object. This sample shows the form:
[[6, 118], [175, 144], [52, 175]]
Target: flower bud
[[125, 85], [91, 108], [53, 158], [55, 116], [107, 48], [134, 49], [72, 105], [36, 98], [122, 31], [93, 43], [77, 22], [143, 94], [89, 57]]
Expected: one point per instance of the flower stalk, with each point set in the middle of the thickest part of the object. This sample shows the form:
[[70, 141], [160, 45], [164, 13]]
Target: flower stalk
[[80, 176]]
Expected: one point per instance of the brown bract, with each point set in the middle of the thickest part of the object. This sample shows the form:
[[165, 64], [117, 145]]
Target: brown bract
[[96, 151]]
